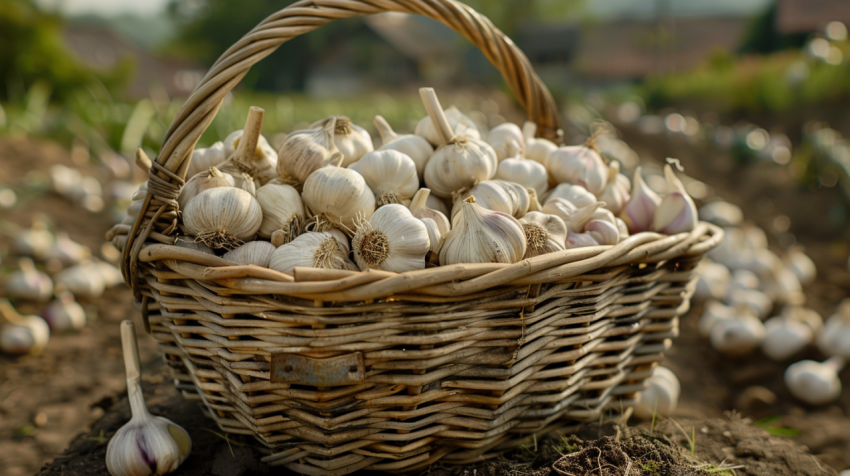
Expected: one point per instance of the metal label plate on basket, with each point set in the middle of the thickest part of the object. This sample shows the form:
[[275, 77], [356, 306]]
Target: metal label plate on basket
[[345, 369]]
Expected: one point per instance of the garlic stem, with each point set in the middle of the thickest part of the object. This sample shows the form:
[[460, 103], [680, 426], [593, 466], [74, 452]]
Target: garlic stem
[[438, 117], [385, 130], [836, 363], [8, 312], [250, 139], [420, 199], [529, 130], [133, 369]]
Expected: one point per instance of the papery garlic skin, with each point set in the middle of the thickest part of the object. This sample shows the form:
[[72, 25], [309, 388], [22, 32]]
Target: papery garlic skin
[[258, 253], [525, 172], [64, 314], [639, 211], [677, 212], [578, 165], [203, 159], [480, 235], [210, 178], [460, 124], [29, 283], [338, 196], [661, 395], [507, 141], [223, 217], [282, 209], [352, 141], [417, 148], [813, 382], [537, 148], [390, 174], [497, 195], [575, 194], [392, 240], [304, 152], [544, 233], [311, 250]]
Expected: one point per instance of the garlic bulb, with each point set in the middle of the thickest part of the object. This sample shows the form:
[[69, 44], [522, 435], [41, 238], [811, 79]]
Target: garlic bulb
[[252, 154], [311, 250], [460, 161], [507, 141], [575, 194], [111, 275], [254, 252], [578, 165], [282, 210], [622, 228], [147, 444], [721, 213], [210, 178], [543, 233], [29, 283], [419, 208], [579, 240], [802, 266], [392, 240], [677, 212], [304, 152], [497, 195], [616, 191], [390, 174], [22, 334], [459, 124], [351, 140], [203, 159], [231, 143], [337, 196], [528, 173], [639, 211], [192, 243], [67, 251], [480, 235], [713, 282], [574, 217], [714, 312], [35, 242], [834, 338], [813, 382], [737, 335], [412, 145], [64, 314], [223, 217], [603, 232], [537, 149], [755, 301], [743, 279], [82, 280], [661, 395], [790, 332]]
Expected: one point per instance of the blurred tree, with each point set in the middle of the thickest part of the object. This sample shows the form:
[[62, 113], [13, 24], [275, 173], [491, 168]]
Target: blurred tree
[[763, 37], [511, 15]]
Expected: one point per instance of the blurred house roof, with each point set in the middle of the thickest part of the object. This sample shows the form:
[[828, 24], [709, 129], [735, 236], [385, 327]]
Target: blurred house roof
[[103, 49], [802, 16]]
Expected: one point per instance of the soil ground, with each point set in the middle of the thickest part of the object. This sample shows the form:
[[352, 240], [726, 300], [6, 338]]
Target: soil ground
[[46, 401]]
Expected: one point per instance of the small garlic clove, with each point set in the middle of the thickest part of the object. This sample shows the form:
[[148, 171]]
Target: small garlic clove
[[622, 228], [574, 217], [615, 194], [639, 211], [420, 209], [604, 232], [677, 212]]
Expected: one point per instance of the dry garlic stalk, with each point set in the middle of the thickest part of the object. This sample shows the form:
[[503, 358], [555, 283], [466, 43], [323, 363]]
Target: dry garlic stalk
[[480, 235], [352, 140], [392, 240], [311, 250], [390, 174], [335, 196], [250, 156], [543, 233], [282, 209], [415, 147], [223, 217], [457, 122], [304, 152]]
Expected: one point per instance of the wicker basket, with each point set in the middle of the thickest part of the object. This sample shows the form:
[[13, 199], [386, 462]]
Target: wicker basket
[[338, 371]]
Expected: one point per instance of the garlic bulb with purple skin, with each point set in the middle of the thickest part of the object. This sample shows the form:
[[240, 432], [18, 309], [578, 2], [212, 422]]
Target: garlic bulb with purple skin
[[639, 211], [677, 212], [147, 445], [616, 191], [579, 240], [29, 283], [603, 232], [578, 165], [64, 314]]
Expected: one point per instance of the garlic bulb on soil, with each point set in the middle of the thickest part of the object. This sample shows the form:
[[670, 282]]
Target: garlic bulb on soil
[[67, 251], [336, 197], [813, 382], [834, 338], [802, 266], [311, 250], [721, 213], [390, 174], [497, 195], [64, 314], [29, 283], [713, 281], [203, 159], [351, 140], [252, 154], [755, 301], [414, 146], [713, 312], [35, 242], [616, 191], [543, 233], [790, 332], [210, 178], [282, 210], [460, 161], [661, 395], [537, 149], [111, 275], [677, 212], [22, 334], [578, 165], [480, 235], [304, 152], [639, 211], [528, 173], [223, 217], [459, 125], [392, 240], [419, 208], [83, 280], [254, 252], [737, 335], [575, 194], [146, 445], [507, 140]]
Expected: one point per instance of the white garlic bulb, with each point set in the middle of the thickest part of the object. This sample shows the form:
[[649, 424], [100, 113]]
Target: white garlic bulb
[[713, 281], [35, 242], [351, 140], [311, 250], [543, 233], [392, 240], [497, 195], [336, 197], [537, 148], [802, 266], [790, 332], [459, 124], [661, 395], [210, 178], [480, 235], [253, 252], [29, 283], [603, 232], [639, 211], [110, 274], [460, 161], [575, 194], [420, 209], [203, 159], [414, 146], [574, 217], [22, 334], [815, 383], [528, 173], [304, 152], [507, 140], [67, 251], [721, 213], [834, 338], [578, 165], [282, 210], [754, 300], [714, 312], [390, 174], [146, 445], [64, 314], [252, 154], [738, 335], [677, 212], [616, 191], [223, 217], [82, 280]]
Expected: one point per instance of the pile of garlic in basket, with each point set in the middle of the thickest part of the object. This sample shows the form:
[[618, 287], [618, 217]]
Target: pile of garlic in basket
[[329, 200]]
